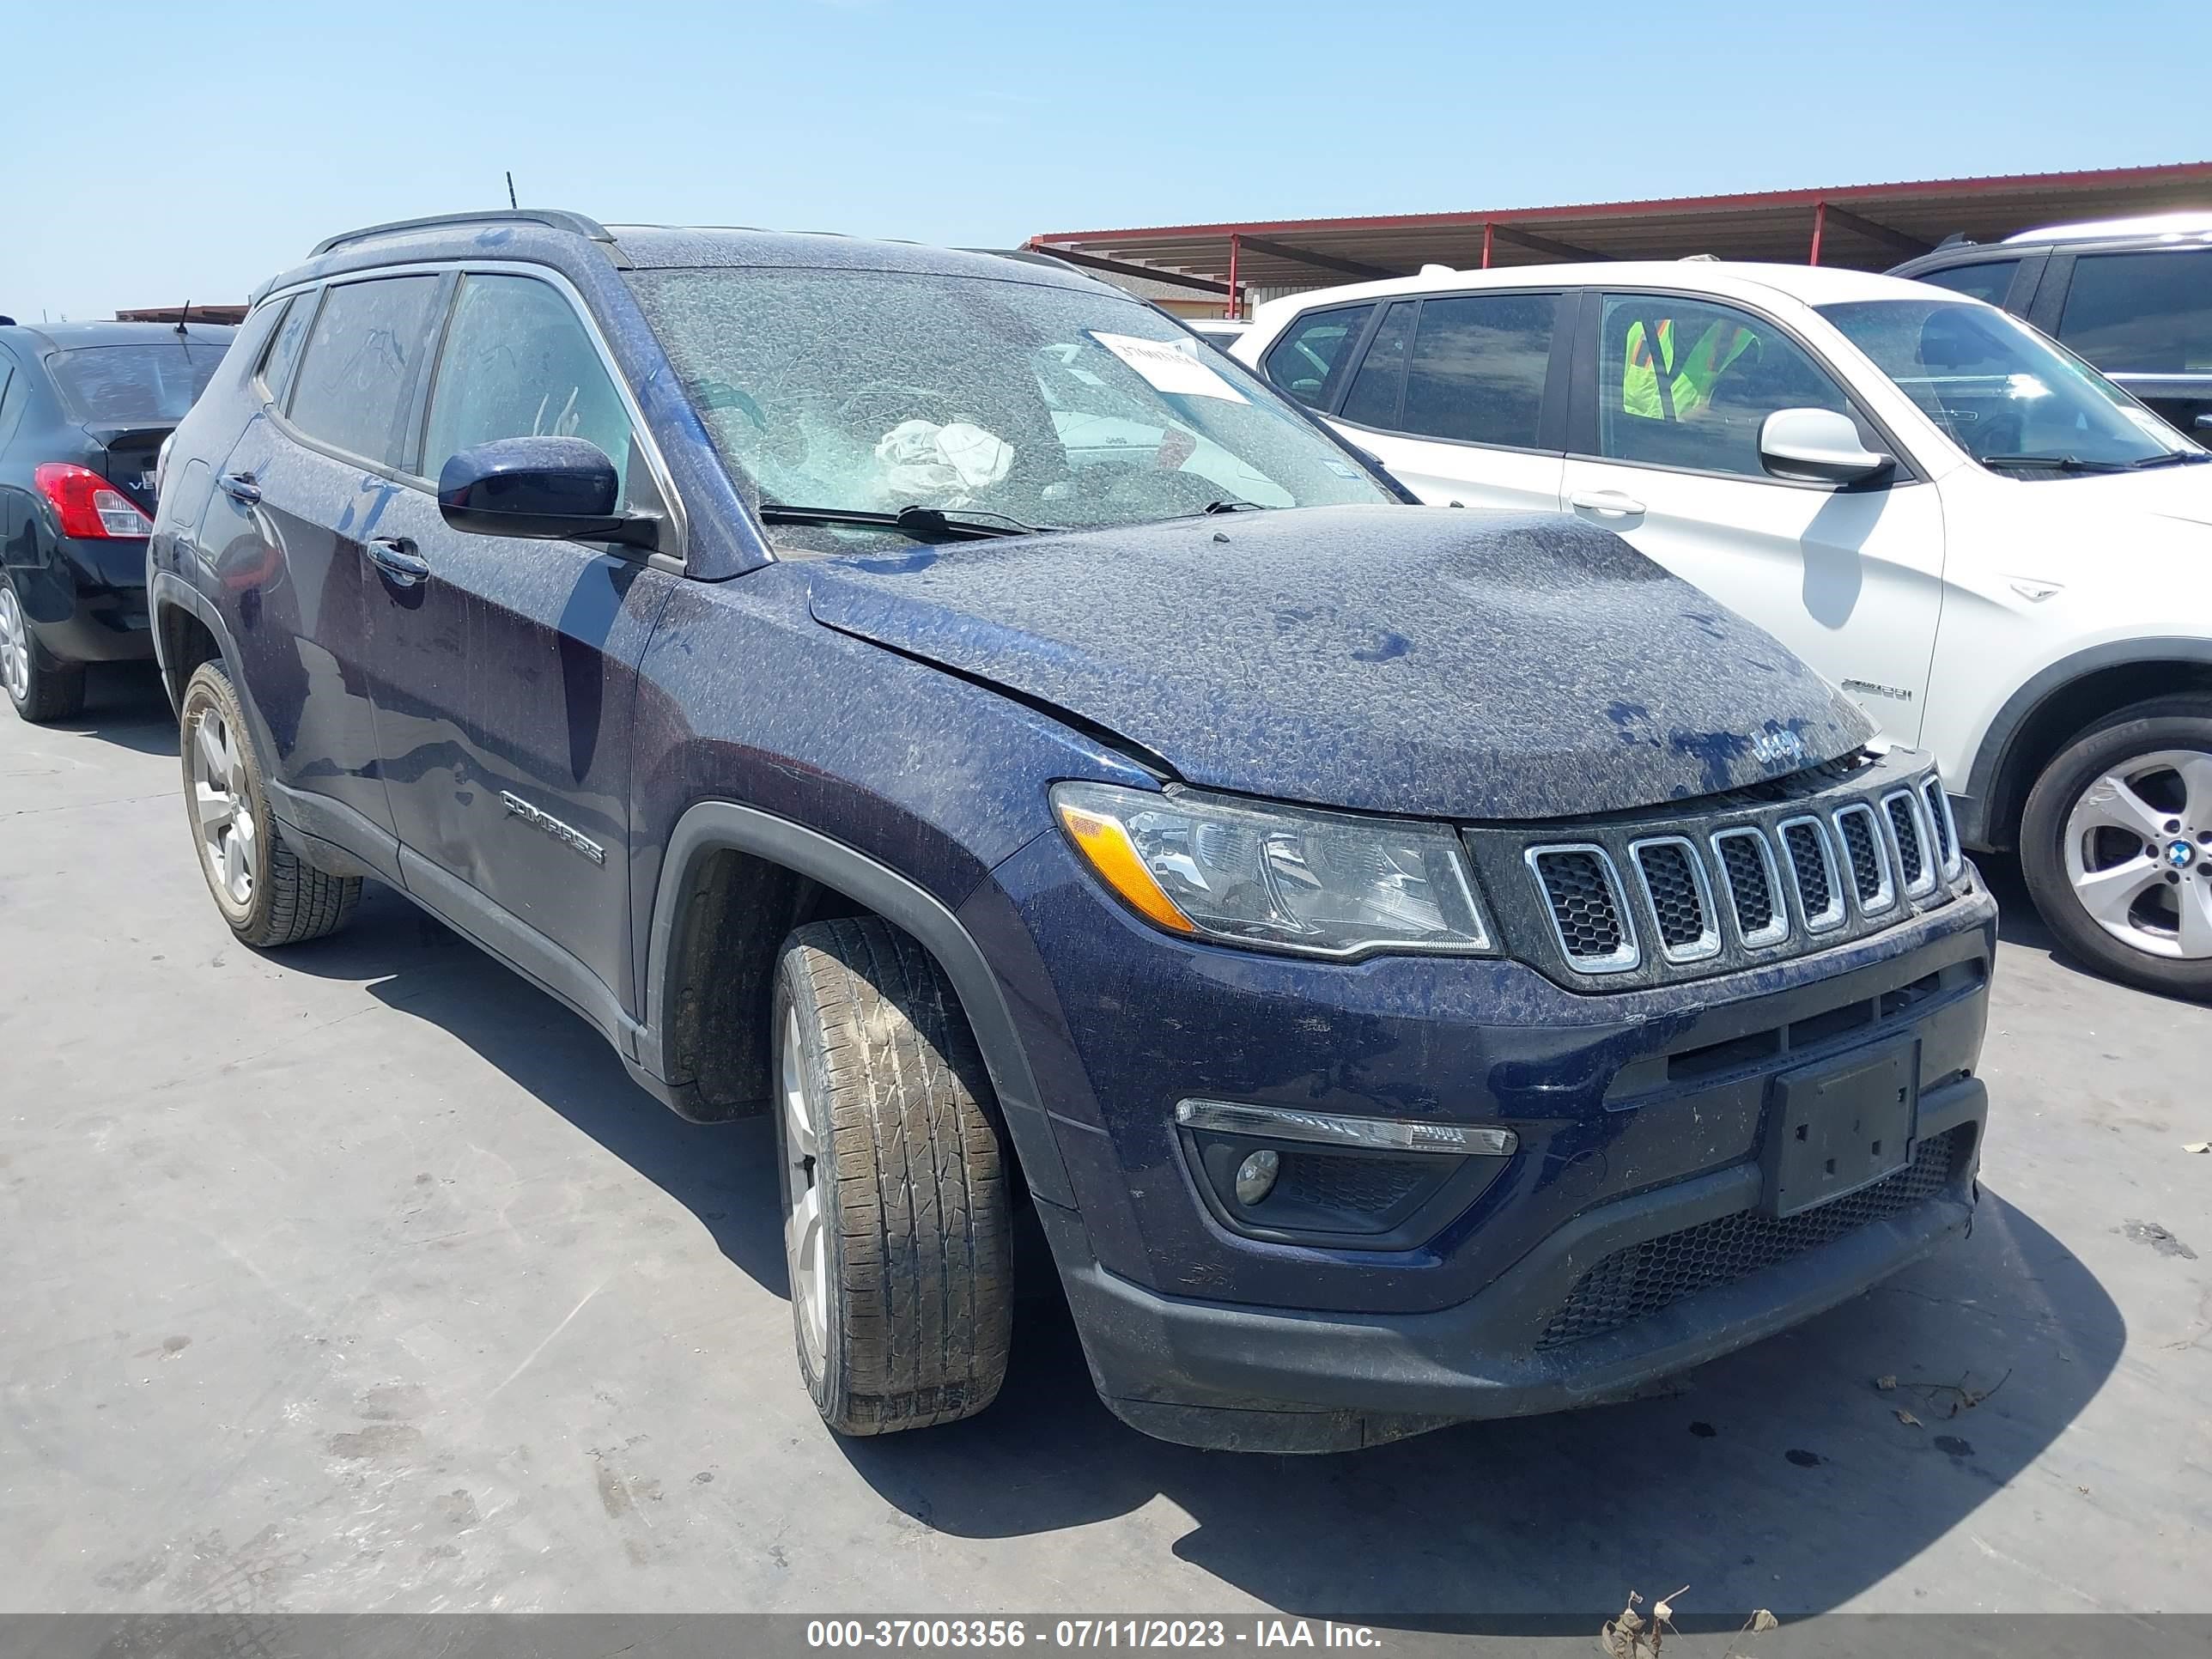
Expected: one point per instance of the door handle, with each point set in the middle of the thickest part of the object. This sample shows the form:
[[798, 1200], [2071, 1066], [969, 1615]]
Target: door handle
[[241, 486], [1610, 502], [395, 555]]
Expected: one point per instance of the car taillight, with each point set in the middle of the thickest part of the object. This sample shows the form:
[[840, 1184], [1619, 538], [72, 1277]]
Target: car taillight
[[87, 504]]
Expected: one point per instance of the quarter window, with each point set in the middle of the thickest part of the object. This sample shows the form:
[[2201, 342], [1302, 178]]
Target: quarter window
[[2150, 314], [1682, 383], [284, 344], [1373, 399], [518, 362], [1991, 279], [1309, 362], [1478, 368], [356, 380]]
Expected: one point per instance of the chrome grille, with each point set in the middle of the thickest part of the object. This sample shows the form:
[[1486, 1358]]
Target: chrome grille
[[1861, 837], [1588, 911], [1723, 883], [1908, 842], [1812, 861], [1749, 874]]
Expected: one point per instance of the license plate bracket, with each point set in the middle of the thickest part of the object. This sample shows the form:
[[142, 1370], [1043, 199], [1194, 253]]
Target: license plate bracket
[[1840, 1125]]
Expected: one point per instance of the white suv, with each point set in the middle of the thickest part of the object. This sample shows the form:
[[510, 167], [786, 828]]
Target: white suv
[[2005, 558]]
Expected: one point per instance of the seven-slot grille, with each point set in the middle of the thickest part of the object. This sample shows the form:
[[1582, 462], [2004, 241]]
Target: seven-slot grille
[[1641, 907]]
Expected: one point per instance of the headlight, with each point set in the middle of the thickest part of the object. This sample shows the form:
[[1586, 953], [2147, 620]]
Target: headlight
[[1324, 884]]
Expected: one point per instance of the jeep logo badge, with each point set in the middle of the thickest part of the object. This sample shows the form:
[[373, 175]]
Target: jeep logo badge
[[1775, 747]]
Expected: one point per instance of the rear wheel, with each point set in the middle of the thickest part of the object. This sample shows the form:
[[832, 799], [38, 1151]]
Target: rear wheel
[[264, 892], [2116, 843], [41, 684], [896, 1201]]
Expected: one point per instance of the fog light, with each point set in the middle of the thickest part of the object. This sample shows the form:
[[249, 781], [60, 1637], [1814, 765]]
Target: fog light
[[1255, 1177]]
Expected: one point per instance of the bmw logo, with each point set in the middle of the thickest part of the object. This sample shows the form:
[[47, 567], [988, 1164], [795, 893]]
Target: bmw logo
[[2180, 854]]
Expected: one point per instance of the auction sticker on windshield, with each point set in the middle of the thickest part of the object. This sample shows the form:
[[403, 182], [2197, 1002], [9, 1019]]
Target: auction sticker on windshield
[[1167, 369]]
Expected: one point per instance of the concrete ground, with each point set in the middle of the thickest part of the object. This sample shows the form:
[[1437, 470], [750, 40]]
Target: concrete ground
[[362, 1278]]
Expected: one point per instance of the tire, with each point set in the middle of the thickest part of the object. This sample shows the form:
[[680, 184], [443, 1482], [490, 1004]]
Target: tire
[[41, 685], [903, 1317], [2143, 774], [266, 894]]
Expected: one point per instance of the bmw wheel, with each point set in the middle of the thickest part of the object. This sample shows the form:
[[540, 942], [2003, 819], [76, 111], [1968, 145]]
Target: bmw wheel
[[2117, 846]]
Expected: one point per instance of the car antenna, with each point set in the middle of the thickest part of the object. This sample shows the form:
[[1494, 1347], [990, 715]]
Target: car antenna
[[510, 187], [184, 317]]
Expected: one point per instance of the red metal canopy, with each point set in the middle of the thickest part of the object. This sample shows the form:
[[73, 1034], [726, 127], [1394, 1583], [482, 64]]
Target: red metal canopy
[[1865, 227]]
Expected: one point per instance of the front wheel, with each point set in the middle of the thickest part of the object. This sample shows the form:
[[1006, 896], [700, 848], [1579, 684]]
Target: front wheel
[[896, 1211], [2116, 843]]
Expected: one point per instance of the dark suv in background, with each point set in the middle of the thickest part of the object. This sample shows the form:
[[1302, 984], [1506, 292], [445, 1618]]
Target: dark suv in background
[[2134, 296], [1398, 965], [83, 409]]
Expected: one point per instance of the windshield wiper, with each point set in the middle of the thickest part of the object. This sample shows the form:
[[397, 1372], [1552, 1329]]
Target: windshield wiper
[[1232, 505], [2053, 462], [2171, 458], [923, 524]]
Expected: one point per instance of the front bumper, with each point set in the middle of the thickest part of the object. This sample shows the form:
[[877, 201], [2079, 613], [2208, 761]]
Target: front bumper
[[1640, 1117], [1231, 1378]]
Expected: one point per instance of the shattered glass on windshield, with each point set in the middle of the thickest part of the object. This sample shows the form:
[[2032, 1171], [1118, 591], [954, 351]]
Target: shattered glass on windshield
[[873, 392]]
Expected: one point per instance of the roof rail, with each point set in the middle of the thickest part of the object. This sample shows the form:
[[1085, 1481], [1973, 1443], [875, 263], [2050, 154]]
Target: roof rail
[[551, 218]]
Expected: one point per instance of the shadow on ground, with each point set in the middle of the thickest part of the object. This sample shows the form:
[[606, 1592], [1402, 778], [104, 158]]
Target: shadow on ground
[[124, 705], [1779, 1477]]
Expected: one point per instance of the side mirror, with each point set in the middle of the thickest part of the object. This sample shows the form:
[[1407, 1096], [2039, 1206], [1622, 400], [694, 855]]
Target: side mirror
[[2202, 423], [1818, 445], [550, 489]]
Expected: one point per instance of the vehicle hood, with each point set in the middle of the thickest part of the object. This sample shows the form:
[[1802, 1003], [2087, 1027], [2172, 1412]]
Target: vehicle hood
[[1431, 661]]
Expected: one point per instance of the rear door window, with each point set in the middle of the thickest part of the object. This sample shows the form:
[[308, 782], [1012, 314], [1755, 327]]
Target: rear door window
[[517, 362], [1311, 359], [2149, 313], [1373, 399], [152, 384], [1991, 279], [1478, 368], [356, 383]]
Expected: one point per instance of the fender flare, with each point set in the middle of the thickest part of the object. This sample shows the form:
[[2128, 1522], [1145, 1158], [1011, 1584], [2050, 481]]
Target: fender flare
[[1993, 753], [712, 826], [169, 588]]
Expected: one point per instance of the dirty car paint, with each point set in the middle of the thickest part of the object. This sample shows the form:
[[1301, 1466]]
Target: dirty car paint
[[1401, 659]]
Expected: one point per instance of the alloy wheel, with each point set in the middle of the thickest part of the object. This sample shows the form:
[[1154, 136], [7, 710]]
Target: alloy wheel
[[14, 646], [224, 807], [2138, 847], [802, 1226]]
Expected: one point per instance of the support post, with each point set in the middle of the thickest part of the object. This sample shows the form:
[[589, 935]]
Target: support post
[[1820, 224], [1488, 237], [1236, 304]]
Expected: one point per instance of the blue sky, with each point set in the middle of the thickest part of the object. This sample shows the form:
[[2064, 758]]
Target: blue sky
[[187, 152]]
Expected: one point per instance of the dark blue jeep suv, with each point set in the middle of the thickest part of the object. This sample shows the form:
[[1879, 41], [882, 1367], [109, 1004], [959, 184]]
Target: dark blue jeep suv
[[1404, 964]]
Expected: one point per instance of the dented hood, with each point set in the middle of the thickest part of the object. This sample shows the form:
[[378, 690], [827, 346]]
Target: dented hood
[[1421, 660]]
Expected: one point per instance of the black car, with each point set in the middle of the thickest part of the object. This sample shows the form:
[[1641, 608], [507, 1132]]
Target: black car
[[1392, 963], [2133, 296], [83, 409]]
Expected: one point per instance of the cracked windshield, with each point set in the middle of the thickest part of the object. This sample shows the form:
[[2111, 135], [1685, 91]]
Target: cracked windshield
[[1004, 406]]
